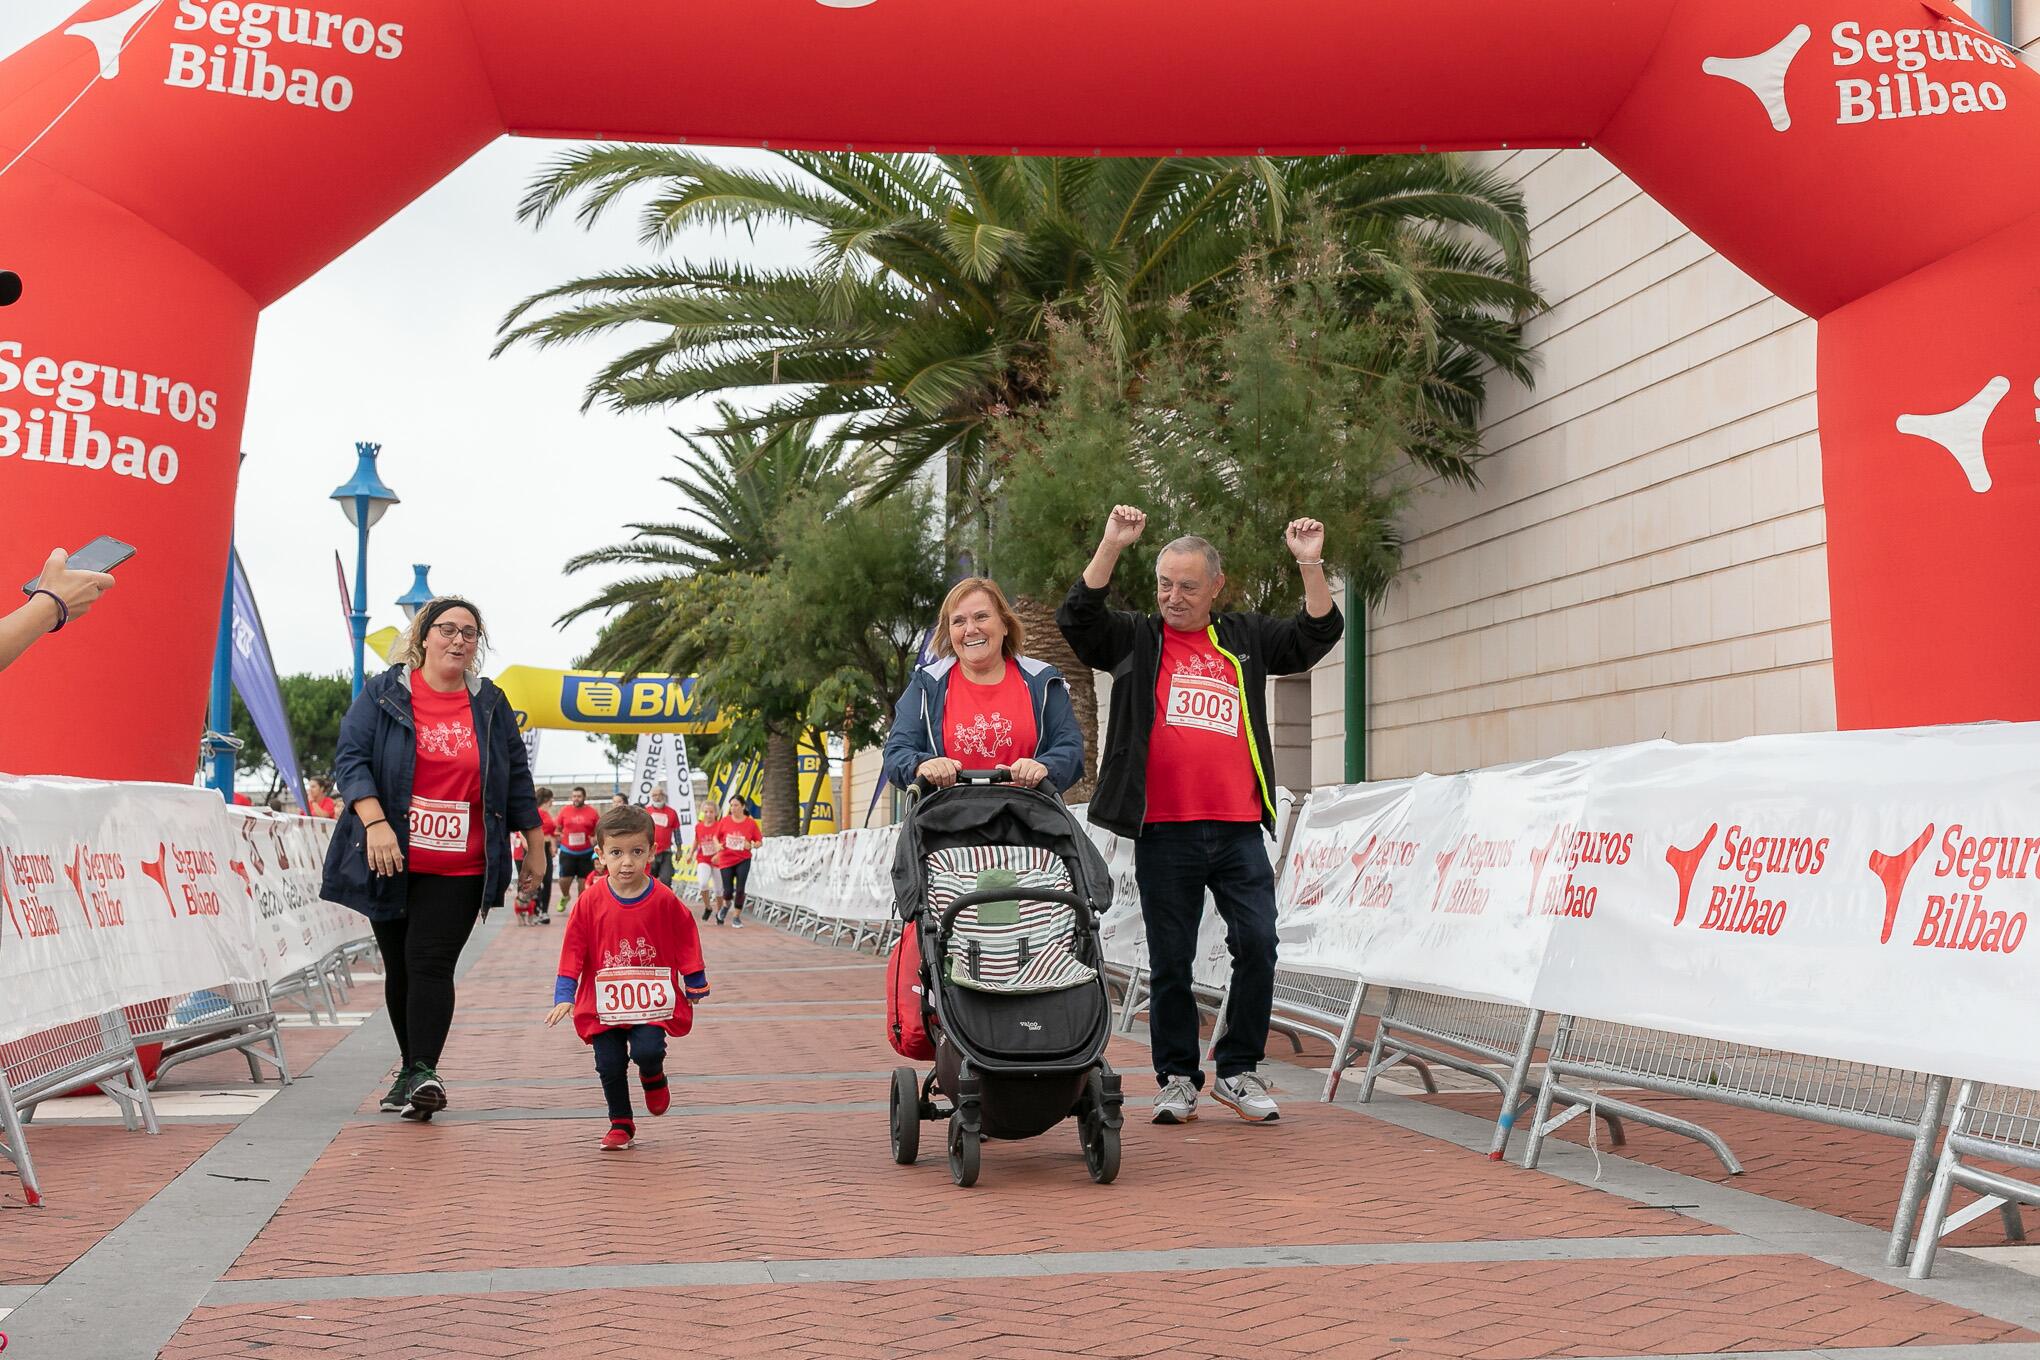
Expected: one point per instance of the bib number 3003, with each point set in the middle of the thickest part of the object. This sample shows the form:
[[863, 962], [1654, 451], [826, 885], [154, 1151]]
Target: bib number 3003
[[1205, 704], [439, 824], [633, 996]]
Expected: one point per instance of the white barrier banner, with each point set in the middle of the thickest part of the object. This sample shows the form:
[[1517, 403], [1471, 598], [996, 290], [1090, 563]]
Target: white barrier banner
[[1861, 896], [283, 857], [114, 895]]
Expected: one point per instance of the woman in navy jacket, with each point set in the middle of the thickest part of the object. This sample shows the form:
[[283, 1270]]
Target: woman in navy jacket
[[432, 780], [984, 705]]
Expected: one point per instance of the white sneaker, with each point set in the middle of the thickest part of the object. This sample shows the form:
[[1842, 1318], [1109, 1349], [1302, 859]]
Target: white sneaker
[[1177, 1104], [1246, 1095]]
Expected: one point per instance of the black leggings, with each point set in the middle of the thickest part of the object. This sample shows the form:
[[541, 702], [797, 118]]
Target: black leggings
[[419, 952], [733, 880]]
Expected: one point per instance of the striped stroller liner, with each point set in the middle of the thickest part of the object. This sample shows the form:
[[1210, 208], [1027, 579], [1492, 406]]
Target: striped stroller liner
[[1011, 947]]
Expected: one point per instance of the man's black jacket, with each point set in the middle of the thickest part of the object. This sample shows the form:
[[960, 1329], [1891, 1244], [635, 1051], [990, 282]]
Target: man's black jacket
[[1130, 647]]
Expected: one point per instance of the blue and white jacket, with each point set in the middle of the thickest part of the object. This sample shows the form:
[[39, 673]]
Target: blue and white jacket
[[916, 734]]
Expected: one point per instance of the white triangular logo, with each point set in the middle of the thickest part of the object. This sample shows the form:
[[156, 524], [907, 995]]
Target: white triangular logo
[[1764, 74], [1960, 431], [110, 34]]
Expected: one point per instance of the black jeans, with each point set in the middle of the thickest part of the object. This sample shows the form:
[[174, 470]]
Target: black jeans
[[419, 951], [615, 1050], [1174, 862], [662, 867]]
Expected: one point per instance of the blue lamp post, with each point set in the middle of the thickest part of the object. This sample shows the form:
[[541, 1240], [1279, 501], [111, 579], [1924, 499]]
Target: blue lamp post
[[420, 593], [363, 501]]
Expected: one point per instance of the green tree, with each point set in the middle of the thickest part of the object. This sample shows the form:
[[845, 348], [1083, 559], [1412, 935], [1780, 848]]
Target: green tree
[[314, 706], [686, 594], [1298, 406]]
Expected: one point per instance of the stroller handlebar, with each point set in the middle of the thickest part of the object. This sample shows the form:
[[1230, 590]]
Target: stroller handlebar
[[972, 899]]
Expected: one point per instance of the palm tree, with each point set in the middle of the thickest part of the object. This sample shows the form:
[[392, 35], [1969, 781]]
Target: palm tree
[[925, 315], [734, 485]]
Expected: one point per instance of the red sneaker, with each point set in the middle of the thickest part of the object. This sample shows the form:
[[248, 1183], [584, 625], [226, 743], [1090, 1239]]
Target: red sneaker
[[658, 1099], [619, 1137]]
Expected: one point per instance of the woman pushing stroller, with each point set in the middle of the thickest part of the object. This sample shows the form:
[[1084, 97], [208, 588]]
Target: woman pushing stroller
[[983, 704]]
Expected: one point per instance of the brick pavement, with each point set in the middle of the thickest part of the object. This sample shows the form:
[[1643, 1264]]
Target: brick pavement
[[1464, 1258]]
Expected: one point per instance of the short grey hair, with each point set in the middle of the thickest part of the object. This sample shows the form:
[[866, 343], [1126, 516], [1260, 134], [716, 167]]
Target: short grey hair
[[1191, 543]]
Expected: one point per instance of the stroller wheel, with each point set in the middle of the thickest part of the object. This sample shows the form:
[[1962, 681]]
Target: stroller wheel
[[906, 1116], [1101, 1149], [963, 1153]]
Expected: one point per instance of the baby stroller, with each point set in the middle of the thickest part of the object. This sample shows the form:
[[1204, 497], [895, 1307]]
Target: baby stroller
[[1000, 892]]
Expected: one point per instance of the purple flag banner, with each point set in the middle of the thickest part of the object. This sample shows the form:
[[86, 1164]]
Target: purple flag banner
[[255, 681]]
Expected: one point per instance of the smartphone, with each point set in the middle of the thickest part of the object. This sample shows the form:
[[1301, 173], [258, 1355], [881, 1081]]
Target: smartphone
[[103, 553]]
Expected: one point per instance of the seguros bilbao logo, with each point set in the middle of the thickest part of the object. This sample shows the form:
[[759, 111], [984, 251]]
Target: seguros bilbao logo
[[1962, 915], [1742, 900], [1568, 848], [25, 880], [1893, 73], [250, 50], [97, 878]]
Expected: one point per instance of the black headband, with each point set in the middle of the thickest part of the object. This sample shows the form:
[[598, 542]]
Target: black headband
[[441, 605]]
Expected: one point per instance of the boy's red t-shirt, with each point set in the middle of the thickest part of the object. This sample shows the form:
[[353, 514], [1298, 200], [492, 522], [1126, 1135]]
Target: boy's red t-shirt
[[630, 960], [577, 828], [446, 789], [1199, 766], [732, 830], [986, 726], [665, 821]]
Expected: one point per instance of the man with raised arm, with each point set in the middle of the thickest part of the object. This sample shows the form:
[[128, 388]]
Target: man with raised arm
[[1187, 774]]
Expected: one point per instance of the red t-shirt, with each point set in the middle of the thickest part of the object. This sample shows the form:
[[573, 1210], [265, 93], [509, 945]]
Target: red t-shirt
[[546, 826], [705, 842], [630, 960], [665, 821], [446, 790], [732, 831], [1199, 768], [323, 807], [986, 726], [577, 828]]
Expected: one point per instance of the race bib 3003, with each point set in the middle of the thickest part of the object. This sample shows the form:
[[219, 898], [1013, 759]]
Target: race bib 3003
[[439, 824], [634, 996], [1204, 703]]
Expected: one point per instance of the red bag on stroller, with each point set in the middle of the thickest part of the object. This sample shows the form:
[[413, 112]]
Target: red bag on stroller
[[906, 999]]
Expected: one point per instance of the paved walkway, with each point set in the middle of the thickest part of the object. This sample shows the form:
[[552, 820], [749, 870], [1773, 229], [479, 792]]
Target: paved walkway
[[764, 1217]]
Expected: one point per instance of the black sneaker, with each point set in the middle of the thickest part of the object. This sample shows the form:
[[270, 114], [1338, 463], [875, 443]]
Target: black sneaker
[[399, 1093], [707, 912], [427, 1095]]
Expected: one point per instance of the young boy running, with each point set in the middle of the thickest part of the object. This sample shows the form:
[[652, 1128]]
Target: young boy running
[[630, 971]]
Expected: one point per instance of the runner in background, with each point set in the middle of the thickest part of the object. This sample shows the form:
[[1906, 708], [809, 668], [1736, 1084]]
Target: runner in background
[[706, 842], [319, 799], [549, 832], [576, 823], [737, 835], [665, 822]]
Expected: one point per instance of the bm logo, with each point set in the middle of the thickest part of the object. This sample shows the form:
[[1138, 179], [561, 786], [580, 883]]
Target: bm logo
[[646, 699]]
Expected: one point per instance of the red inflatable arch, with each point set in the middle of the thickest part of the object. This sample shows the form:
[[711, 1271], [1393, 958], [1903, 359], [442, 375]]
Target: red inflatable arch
[[1867, 161]]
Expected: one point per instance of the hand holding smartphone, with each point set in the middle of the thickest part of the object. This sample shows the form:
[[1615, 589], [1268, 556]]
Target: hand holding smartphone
[[74, 583]]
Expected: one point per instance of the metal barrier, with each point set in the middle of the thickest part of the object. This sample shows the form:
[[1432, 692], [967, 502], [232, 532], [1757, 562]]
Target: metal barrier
[[1324, 1003], [99, 1051], [1473, 1037], [237, 1016], [1997, 1123], [1849, 1095]]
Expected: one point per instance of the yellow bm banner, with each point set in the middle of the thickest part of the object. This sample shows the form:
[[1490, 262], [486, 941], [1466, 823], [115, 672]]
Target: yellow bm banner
[[598, 701]]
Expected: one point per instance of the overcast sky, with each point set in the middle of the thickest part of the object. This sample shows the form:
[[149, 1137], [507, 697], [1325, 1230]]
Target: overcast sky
[[502, 478]]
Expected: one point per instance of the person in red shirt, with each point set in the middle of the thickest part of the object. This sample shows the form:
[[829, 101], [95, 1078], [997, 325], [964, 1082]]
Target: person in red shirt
[[548, 830], [737, 835], [576, 825], [319, 799], [665, 822], [706, 843], [1186, 776], [630, 972]]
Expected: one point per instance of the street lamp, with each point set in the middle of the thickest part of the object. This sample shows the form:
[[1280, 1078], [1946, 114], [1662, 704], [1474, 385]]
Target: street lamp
[[363, 501], [420, 593]]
